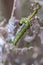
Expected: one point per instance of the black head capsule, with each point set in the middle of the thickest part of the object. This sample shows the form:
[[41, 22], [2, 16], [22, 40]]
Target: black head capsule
[[20, 24]]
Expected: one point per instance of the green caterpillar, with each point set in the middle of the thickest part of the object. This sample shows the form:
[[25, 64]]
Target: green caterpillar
[[24, 20]]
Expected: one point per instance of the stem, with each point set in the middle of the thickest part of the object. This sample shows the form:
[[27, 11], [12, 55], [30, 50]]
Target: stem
[[35, 12], [23, 30]]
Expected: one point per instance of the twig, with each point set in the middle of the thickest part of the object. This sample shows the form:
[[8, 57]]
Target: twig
[[14, 7]]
